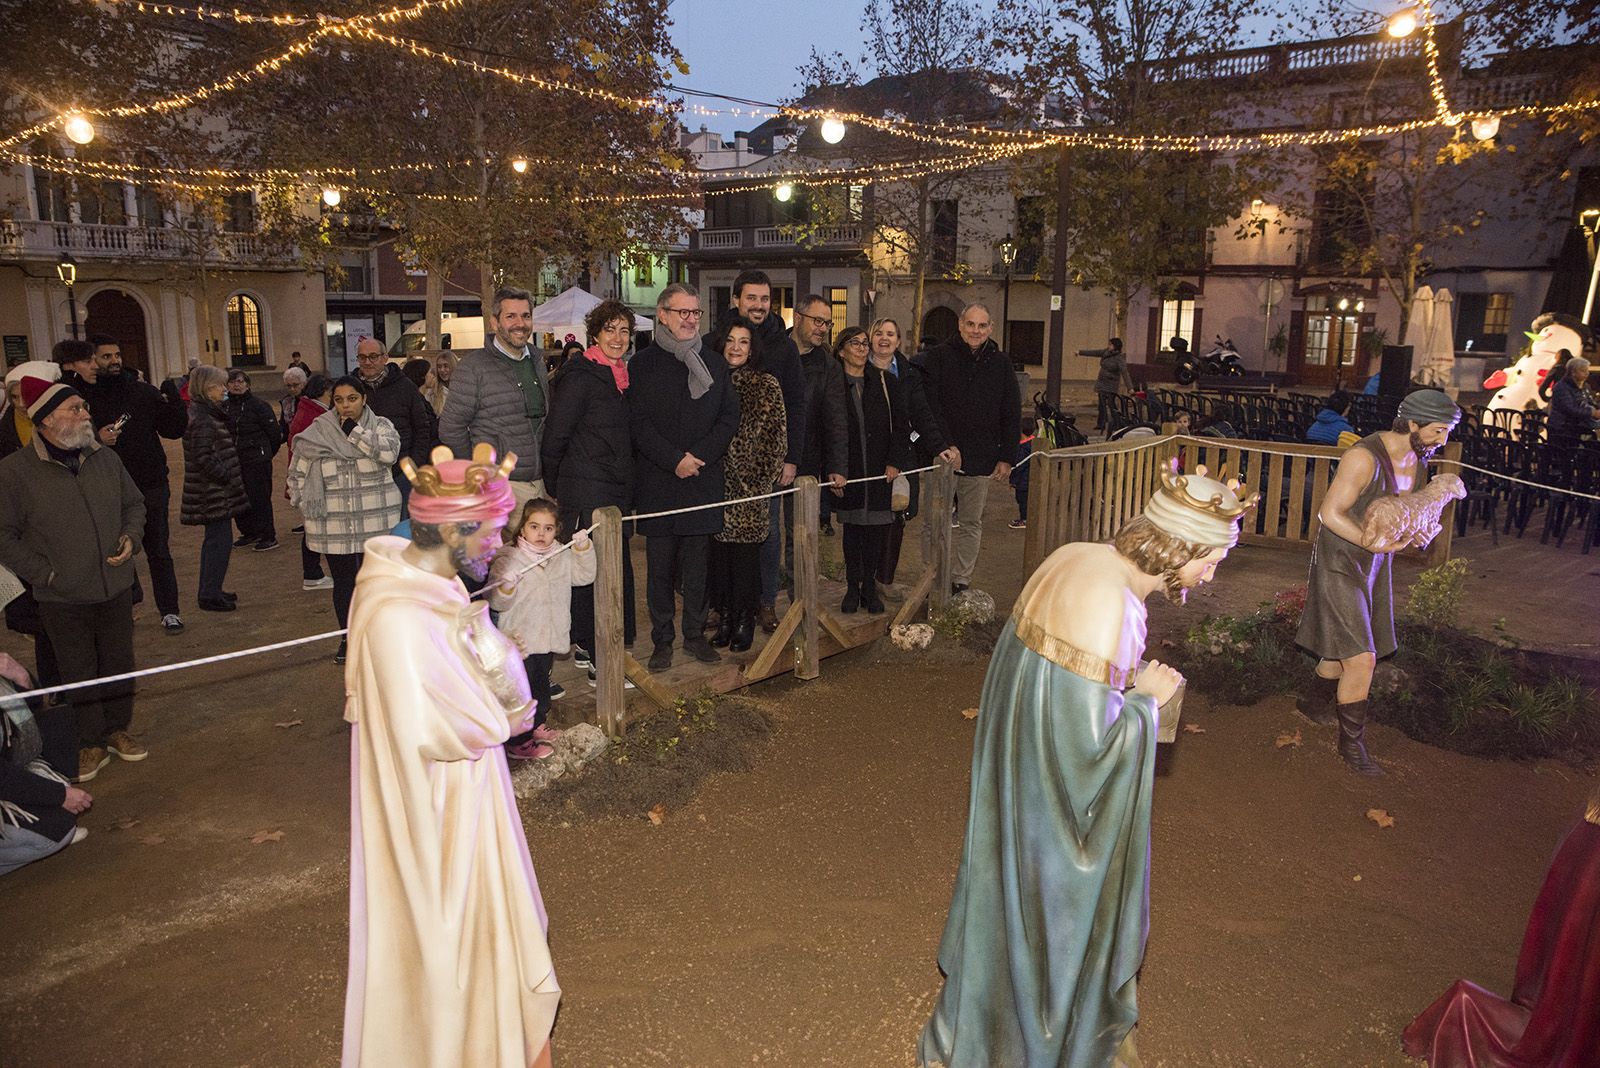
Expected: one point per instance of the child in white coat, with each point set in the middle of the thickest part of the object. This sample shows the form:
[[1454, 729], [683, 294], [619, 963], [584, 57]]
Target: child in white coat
[[531, 587]]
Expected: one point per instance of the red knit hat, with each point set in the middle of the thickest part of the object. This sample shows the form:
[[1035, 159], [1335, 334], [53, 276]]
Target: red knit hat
[[41, 397]]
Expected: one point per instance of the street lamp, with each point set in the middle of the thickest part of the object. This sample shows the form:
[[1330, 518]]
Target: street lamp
[[1403, 25], [331, 197], [1008, 256], [77, 127], [1589, 219], [833, 130], [67, 271], [783, 192]]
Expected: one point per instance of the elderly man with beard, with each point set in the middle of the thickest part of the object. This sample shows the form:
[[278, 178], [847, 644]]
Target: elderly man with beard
[[70, 521], [1348, 622], [449, 967]]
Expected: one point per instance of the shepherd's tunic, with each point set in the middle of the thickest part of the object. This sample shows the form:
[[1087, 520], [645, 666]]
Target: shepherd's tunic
[[1047, 925], [448, 962], [1349, 594]]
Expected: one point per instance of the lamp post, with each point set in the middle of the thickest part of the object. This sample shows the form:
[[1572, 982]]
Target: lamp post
[[1589, 219], [67, 271], [1008, 256]]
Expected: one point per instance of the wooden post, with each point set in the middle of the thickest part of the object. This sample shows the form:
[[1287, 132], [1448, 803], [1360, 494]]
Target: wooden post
[[941, 499], [610, 704], [1439, 551], [807, 568], [1041, 503]]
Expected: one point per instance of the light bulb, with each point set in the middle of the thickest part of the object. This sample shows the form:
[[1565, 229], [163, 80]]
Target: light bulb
[[1403, 25], [783, 193], [79, 130], [1485, 127], [519, 165], [331, 197], [833, 130]]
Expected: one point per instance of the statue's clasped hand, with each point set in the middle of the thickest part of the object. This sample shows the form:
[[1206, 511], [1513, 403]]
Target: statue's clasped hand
[[1159, 681]]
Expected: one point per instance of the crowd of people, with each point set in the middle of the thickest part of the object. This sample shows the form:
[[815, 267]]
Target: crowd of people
[[691, 421]]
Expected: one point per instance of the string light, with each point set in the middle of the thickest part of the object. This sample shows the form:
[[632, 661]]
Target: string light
[[519, 165], [1430, 48], [216, 14]]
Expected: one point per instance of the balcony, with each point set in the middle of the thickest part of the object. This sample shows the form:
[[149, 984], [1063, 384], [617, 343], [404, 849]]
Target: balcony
[[735, 238], [28, 239]]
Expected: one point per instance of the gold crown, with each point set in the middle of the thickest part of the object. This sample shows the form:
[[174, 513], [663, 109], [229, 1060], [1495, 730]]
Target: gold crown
[[479, 473], [1178, 487]]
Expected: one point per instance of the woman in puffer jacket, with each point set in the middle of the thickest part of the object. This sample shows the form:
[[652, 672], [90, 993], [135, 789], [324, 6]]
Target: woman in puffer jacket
[[213, 485]]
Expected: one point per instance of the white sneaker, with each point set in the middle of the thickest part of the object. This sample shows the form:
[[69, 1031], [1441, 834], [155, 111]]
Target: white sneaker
[[582, 658], [594, 683], [78, 835], [323, 583], [172, 623]]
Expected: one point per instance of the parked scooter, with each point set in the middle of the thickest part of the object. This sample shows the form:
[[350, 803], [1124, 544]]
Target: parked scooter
[[1222, 360]]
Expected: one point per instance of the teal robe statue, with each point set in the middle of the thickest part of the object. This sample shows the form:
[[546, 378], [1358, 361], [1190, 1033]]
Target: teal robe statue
[[1047, 925]]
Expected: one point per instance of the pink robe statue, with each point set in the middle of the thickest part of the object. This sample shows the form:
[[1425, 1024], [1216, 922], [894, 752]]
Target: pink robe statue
[[448, 962]]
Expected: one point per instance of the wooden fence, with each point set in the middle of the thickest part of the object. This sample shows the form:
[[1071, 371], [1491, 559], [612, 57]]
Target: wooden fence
[[807, 633]]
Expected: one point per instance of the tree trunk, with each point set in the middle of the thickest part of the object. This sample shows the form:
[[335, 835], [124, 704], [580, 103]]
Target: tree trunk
[[434, 307], [919, 277]]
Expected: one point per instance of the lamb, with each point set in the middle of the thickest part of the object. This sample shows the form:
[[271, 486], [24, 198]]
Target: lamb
[[1411, 519]]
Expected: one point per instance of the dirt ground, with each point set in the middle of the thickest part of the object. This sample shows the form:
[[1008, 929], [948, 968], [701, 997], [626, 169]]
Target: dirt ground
[[788, 916]]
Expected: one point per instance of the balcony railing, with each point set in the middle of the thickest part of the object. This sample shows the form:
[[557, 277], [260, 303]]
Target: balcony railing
[[713, 239], [97, 241], [846, 236]]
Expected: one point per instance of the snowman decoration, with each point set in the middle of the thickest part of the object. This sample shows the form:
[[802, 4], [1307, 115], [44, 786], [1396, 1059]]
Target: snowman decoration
[[1517, 386]]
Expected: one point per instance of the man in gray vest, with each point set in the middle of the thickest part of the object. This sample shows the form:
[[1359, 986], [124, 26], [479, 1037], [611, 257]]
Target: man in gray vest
[[500, 395]]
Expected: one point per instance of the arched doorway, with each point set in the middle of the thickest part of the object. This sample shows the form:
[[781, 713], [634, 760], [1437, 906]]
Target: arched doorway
[[118, 315], [939, 326]]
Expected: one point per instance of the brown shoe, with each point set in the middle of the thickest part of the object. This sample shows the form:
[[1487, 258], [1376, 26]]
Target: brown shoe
[[91, 758], [768, 618], [126, 746]]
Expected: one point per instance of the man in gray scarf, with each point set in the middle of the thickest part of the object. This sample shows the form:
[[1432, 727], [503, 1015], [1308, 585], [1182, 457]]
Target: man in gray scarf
[[682, 414]]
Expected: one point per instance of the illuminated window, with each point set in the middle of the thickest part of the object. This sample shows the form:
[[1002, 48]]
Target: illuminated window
[[1177, 320], [244, 329], [838, 307]]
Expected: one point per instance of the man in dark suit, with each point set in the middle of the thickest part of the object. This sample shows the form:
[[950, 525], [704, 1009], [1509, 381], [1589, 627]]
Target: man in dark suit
[[683, 412]]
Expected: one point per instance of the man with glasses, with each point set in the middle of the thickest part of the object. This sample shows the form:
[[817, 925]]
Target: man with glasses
[[500, 395], [683, 412], [70, 521], [752, 300], [825, 455], [396, 398]]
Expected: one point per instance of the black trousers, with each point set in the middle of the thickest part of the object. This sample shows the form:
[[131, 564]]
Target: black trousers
[[257, 522], [157, 553], [683, 556], [733, 576], [1102, 409], [863, 553], [92, 641], [343, 568], [583, 596], [537, 665]]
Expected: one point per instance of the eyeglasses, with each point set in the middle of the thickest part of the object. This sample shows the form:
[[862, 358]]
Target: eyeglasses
[[815, 318], [856, 341], [687, 313]]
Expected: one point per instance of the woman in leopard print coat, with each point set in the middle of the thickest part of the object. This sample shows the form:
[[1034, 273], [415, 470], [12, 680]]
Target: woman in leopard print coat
[[750, 467]]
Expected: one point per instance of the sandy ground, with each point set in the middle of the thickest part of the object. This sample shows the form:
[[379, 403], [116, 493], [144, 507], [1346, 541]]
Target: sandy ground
[[788, 916]]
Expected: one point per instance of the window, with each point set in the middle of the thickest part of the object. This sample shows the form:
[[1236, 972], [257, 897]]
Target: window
[[855, 203], [783, 304], [50, 197], [1340, 229], [721, 301], [942, 248], [1331, 330], [838, 307], [1030, 234], [242, 212], [353, 265], [152, 208], [1483, 321], [244, 330], [1177, 320]]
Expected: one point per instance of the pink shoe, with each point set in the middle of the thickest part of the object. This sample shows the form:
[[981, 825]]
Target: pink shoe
[[543, 733], [532, 749]]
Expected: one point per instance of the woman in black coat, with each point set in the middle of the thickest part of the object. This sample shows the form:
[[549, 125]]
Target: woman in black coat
[[587, 451], [875, 410], [256, 437], [919, 417], [213, 487]]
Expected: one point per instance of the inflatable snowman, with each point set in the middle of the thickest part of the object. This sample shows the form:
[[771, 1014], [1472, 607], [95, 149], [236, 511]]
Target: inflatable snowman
[[1517, 386]]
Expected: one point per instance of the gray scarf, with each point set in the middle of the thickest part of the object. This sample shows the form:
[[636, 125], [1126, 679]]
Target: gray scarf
[[688, 354]]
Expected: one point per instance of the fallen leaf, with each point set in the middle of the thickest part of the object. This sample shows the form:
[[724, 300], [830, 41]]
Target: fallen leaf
[[1193, 728], [1168, 643], [969, 713], [1290, 741], [291, 723], [1380, 817], [658, 815], [126, 824], [1355, 878], [266, 836], [152, 839]]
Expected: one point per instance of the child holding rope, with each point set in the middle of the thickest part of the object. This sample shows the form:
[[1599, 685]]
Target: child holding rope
[[531, 587]]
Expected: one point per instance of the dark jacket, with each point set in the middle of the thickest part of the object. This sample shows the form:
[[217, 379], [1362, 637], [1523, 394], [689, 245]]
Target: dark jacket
[[486, 404], [152, 415], [919, 414], [213, 488], [665, 424], [588, 446], [887, 443], [975, 398], [37, 795], [10, 439], [397, 399], [826, 443], [57, 528], [255, 430], [780, 359], [1571, 412]]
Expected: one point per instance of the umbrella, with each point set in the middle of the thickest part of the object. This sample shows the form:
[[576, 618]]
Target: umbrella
[[1438, 355], [1417, 328]]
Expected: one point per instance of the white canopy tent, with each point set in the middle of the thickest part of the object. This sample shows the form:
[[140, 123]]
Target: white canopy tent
[[563, 314]]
